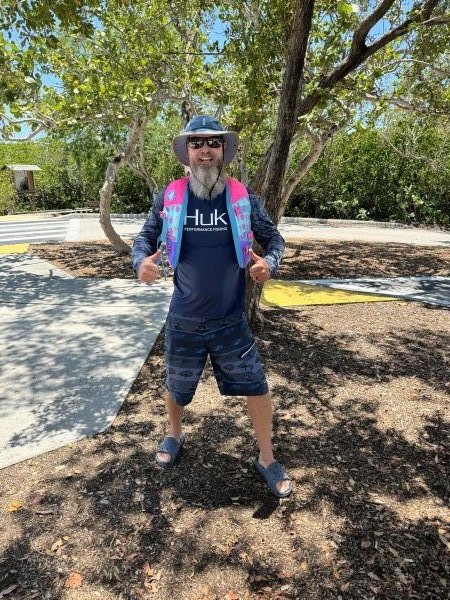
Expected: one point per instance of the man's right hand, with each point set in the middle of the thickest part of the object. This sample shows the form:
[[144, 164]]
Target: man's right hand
[[148, 270]]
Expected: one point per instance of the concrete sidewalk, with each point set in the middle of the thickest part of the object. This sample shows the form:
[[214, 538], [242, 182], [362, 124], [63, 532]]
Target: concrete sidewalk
[[71, 349]]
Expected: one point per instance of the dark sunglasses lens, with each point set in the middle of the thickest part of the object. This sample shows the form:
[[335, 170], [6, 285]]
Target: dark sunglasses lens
[[196, 144], [214, 142]]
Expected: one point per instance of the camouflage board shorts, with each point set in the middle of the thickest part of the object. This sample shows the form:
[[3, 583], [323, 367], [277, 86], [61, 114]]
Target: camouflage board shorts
[[231, 347]]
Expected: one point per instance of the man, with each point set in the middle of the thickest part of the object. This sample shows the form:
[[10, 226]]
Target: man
[[206, 223]]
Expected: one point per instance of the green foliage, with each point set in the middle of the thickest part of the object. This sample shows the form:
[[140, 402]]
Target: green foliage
[[73, 168], [47, 154], [138, 55], [161, 161], [401, 173], [118, 60]]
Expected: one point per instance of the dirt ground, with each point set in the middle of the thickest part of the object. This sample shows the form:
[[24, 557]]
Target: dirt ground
[[361, 396]]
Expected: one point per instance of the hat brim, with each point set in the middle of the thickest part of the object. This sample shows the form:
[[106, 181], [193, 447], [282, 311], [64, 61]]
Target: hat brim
[[179, 144]]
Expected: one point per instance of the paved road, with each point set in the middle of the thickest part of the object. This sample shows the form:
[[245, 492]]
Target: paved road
[[366, 233], [33, 231], [86, 229]]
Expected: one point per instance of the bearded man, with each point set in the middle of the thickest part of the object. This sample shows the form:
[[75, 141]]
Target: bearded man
[[206, 223]]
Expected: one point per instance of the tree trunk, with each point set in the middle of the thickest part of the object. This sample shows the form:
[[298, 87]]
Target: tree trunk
[[286, 123], [318, 144], [107, 189], [292, 105]]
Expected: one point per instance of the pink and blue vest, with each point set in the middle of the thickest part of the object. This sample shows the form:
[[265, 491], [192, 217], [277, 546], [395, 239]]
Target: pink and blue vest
[[174, 213]]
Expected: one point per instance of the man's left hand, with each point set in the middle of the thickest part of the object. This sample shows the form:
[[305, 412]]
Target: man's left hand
[[260, 270]]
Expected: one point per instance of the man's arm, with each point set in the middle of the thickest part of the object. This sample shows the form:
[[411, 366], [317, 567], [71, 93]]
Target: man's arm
[[145, 243], [266, 234]]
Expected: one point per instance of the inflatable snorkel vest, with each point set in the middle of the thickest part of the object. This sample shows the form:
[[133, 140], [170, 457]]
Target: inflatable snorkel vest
[[174, 214]]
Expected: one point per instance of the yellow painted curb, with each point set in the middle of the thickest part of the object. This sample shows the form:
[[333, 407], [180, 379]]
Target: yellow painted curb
[[290, 293], [14, 249]]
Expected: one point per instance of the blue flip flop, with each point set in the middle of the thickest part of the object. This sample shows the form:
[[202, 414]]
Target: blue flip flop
[[274, 473], [172, 447]]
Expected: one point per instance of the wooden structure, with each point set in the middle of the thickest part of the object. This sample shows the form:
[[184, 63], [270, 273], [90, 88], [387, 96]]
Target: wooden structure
[[23, 180]]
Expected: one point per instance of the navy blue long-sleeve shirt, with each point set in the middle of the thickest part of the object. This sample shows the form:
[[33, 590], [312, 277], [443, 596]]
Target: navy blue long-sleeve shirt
[[208, 280]]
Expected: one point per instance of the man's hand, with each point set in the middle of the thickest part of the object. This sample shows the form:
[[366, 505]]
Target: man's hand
[[148, 270], [260, 270]]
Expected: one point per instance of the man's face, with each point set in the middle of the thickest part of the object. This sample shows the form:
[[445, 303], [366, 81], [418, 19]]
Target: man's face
[[205, 151]]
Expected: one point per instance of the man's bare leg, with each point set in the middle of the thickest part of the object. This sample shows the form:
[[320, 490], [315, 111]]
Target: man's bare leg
[[261, 414], [175, 413]]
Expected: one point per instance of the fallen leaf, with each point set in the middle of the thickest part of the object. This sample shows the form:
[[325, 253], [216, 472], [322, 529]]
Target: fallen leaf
[[44, 511], [35, 500], [286, 575], [366, 544], [131, 557], [393, 552], [205, 590], [344, 587], [148, 571], [303, 566], [73, 581], [402, 578], [232, 596], [8, 590], [373, 576], [443, 537], [15, 505], [56, 545]]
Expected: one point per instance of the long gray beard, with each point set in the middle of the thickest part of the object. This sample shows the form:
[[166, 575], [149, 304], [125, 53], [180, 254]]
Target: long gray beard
[[202, 180]]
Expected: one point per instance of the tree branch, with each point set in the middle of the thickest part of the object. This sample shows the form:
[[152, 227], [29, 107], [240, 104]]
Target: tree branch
[[359, 52], [114, 165], [442, 19], [7, 138], [400, 102], [433, 164], [391, 66], [362, 31], [317, 147]]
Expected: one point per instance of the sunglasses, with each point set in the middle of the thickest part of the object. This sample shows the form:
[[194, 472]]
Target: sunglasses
[[211, 142]]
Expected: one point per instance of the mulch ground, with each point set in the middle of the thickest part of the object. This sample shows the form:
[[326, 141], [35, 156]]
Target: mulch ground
[[361, 396]]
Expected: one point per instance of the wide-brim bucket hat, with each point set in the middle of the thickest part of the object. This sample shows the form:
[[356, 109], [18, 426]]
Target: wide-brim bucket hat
[[204, 125]]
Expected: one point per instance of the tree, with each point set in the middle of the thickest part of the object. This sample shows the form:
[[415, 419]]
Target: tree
[[290, 74], [120, 73], [316, 91], [406, 161]]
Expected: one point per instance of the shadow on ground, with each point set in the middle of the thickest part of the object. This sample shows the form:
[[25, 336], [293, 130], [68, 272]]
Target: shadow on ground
[[319, 260], [370, 492]]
